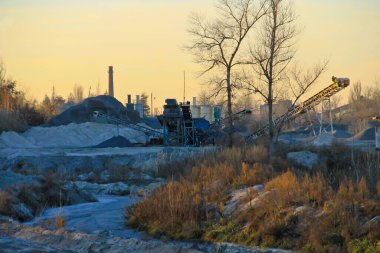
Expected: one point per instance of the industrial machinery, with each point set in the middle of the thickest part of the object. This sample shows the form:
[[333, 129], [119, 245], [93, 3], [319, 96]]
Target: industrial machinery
[[375, 122], [178, 124], [338, 85]]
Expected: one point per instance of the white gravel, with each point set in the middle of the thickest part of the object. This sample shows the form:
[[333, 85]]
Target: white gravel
[[70, 136]]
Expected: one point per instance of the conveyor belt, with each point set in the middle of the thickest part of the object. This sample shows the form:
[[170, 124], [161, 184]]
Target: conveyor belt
[[338, 85], [148, 131]]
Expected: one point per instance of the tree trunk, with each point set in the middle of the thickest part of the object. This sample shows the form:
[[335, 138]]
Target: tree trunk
[[270, 118], [229, 109]]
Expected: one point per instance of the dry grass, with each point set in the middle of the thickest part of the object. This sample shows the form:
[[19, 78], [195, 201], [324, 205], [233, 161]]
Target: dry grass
[[4, 202], [287, 186], [180, 209], [333, 205], [257, 153], [315, 190], [60, 221]]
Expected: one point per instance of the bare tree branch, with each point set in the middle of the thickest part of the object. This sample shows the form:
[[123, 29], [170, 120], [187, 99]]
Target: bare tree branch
[[217, 45], [271, 58]]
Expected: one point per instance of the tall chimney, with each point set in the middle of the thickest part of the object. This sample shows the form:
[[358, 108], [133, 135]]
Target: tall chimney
[[110, 81]]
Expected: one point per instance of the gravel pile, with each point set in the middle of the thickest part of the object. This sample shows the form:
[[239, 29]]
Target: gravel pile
[[71, 136]]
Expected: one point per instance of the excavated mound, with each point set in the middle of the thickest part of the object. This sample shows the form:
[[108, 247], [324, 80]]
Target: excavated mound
[[115, 142], [82, 112]]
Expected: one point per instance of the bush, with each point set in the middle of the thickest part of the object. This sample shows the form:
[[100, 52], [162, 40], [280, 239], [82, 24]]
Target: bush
[[312, 212], [173, 210], [10, 122], [60, 221], [287, 187], [363, 246], [315, 189], [5, 200], [257, 153]]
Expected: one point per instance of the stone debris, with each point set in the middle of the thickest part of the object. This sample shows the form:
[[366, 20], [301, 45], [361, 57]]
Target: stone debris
[[304, 158], [70, 136], [240, 197], [118, 189]]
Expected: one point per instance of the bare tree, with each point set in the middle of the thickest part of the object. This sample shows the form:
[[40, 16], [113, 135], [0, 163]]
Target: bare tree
[[204, 98], [145, 103], [271, 58], [9, 95], [76, 96], [217, 44], [356, 93]]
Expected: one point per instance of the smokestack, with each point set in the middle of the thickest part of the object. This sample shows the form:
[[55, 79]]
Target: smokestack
[[194, 101], [110, 81], [139, 106], [130, 106]]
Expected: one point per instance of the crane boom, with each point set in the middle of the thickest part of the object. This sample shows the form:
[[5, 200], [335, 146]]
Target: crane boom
[[338, 85]]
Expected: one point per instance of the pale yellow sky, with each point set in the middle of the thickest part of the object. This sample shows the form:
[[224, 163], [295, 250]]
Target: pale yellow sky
[[45, 43]]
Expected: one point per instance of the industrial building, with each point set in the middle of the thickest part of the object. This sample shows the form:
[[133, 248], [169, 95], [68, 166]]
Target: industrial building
[[212, 113], [279, 108]]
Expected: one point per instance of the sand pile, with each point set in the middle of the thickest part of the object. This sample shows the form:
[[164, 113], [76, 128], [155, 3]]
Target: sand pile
[[70, 136]]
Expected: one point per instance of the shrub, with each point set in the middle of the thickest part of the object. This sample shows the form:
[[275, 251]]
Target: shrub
[[363, 246], [321, 212], [253, 175], [224, 232], [10, 122], [5, 203], [171, 210], [286, 186], [257, 153], [315, 189], [181, 209], [60, 221], [363, 189]]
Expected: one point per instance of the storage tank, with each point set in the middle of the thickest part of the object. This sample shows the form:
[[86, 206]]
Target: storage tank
[[195, 111], [139, 107], [217, 113], [194, 101], [205, 112], [211, 114]]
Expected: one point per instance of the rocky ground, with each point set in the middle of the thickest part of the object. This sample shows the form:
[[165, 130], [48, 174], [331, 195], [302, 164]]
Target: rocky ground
[[95, 226], [15, 237]]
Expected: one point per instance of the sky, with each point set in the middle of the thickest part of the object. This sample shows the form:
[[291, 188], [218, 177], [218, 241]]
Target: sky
[[46, 43]]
